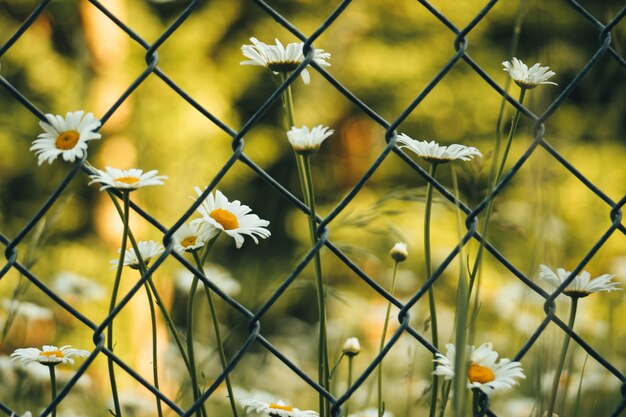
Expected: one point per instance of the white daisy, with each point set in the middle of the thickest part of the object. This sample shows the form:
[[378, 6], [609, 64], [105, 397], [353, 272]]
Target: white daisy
[[233, 218], [528, 77], [50, 355], [279, 59], [27, 310], [483, 372], [304, 140], [217, 274], [581, 286], [73, 285], [192, 236], [148, 249], [351, 346], [278, 409], [65, 136], [433, 152], [126, 179], [399, 252], [26, 414]]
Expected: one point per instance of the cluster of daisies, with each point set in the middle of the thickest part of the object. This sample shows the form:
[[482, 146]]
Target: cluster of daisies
[[67, 138], [218, 215]]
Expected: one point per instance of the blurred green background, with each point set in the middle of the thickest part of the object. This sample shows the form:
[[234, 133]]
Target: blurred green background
[[385, 52]]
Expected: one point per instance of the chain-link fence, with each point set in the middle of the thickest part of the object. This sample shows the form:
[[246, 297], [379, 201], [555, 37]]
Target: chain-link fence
[[605, 50]]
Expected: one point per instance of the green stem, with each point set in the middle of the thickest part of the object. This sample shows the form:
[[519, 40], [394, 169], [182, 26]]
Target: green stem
[[218, 337], [495, 181], [159, 301], [517, 30], [445, 395], [287, 99], [350, 358], [431, 292], [408, 402], [155, 363], [509, 139], [382, 342], [116, 286], [190, 362], [306, 183], [190, 349], [157, 297], [559, 369], [462, 305], [53, 387], [309, 198], [475, 406]]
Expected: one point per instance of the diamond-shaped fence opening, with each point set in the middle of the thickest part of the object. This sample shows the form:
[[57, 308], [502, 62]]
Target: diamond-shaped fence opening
[[163, 78]]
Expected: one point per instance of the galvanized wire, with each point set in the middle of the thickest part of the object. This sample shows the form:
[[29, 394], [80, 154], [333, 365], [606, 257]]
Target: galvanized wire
[[460, 56]]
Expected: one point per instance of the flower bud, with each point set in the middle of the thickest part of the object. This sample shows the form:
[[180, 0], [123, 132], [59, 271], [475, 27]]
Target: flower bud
[[351, 346], [399, 252]]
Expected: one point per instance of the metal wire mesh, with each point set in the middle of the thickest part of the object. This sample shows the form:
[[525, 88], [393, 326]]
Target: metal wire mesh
[[255, 332]]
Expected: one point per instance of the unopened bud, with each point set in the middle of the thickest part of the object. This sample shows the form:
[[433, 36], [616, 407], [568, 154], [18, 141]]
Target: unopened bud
[[351, 346], [399, 252]]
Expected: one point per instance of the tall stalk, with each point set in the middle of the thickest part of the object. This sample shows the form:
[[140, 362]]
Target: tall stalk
[[461, 324], [116, 286], [559, 369], [155, 356], [496, 179], [53, 387], [431, 292], [517, 30], [159, 302], [323, 372], [190, 349], [382, 342], [157, 297], [350, 359], [306, 184], [216, 328]]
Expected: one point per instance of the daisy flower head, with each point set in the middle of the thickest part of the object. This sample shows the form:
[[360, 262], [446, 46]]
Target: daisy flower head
[[67, 136], [280, 59], [231, 217], [581, 286], [126, 179], [148, 249], [435, 153], [278, 409], [214, 273], [192, 236], [304, 140], [49, 355], [27, 310], [528, 77], [75, 286], [484, 371]]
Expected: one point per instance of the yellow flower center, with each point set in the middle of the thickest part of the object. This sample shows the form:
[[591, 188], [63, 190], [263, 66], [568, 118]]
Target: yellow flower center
[[224, 217], [52, 353], [478, 373], [127, 180], [189, 241], [67, 140], [278, 406]]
